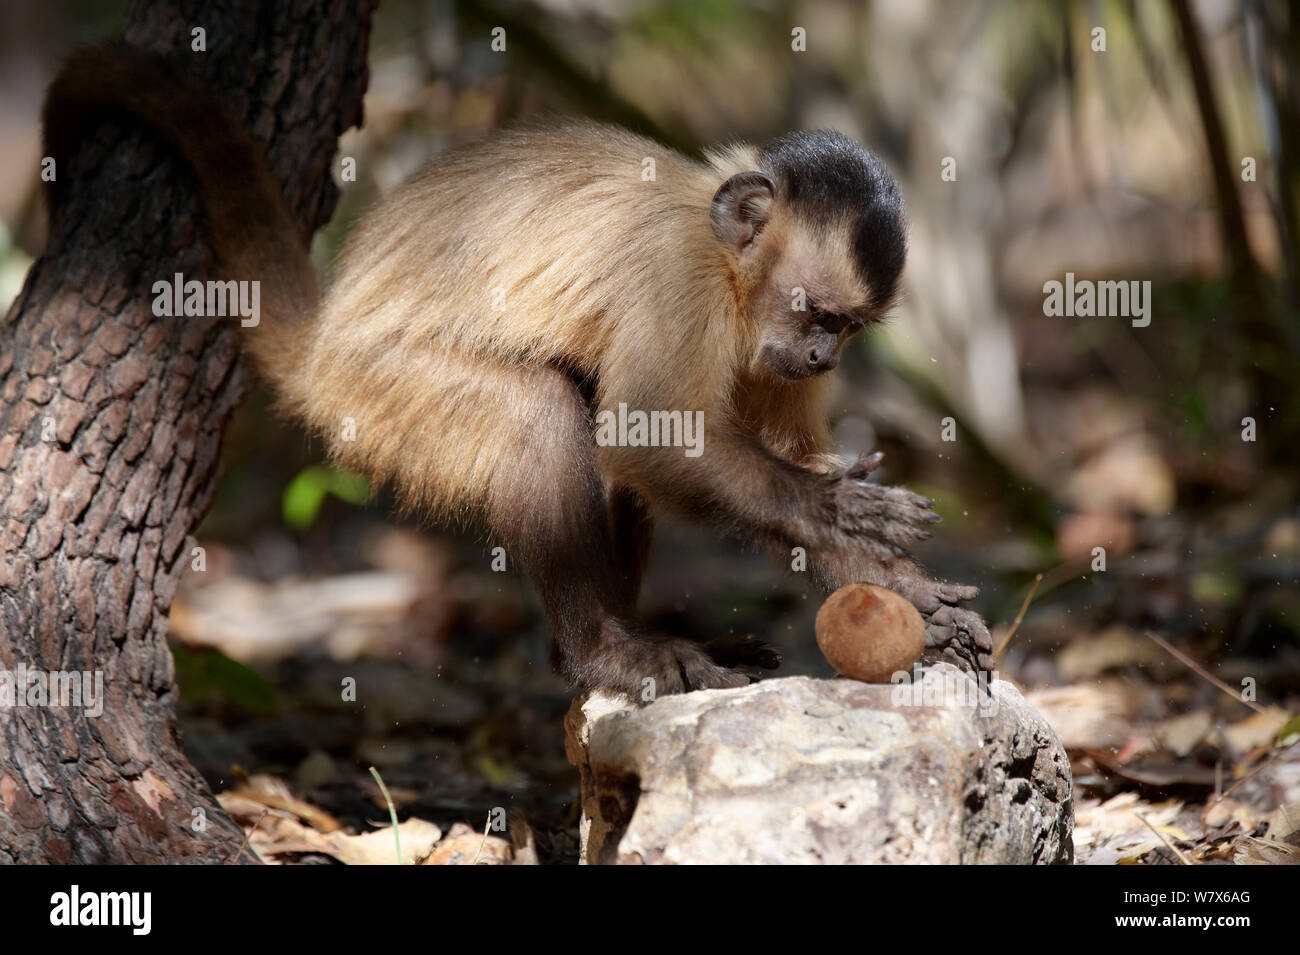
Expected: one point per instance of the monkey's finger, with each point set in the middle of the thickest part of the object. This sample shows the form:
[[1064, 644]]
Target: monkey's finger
[[919, 515], [734, 651], [915, 506], [899, 532], [938, 634], [923, 599], [714, 678], [971, 662], [943, 619], [865, 465], [682, 665], [946, 644], [901, 503], [972, 626], [960, 636], [957, 593]]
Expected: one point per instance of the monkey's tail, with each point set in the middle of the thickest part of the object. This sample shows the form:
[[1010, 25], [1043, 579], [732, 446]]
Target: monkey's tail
[[251, 231]]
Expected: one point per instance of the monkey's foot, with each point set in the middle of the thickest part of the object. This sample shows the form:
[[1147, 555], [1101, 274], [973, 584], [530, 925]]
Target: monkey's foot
[[958, 636], [743, 651], [647, 667]]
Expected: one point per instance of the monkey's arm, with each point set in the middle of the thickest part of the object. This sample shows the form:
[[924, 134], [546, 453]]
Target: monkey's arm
[[739, 484], [853, 530]]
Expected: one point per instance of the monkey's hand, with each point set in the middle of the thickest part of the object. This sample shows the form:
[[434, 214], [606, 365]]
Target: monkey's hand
[[878, 522], [891, 514], [953, 634]]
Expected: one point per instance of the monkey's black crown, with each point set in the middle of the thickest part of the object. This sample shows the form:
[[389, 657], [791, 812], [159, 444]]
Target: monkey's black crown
[[827, 176]]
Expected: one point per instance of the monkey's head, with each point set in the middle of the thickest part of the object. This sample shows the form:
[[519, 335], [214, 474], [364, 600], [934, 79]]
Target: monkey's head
[[819, 240]]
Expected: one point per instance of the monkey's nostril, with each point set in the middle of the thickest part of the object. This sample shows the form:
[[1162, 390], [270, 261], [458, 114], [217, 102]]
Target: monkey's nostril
[[813, 356]]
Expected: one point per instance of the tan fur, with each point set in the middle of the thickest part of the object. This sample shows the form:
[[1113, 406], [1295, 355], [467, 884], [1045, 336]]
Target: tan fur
[[605, 275], [408, 345], [787, 417]]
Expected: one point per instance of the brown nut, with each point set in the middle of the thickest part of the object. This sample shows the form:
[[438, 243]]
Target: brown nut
[[869, 633]]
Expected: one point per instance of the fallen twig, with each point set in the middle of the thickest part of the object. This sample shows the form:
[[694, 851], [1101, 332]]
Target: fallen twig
[[249, 835], [1201, 671], [1161, 836], [1015, 624]]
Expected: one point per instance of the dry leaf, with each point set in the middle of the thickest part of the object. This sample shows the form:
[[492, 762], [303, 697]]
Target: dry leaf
[[376, 848], [522, 842], [463, 846], [1247, 850], [1085, 716], [1110, 832], [279, 831], [1128, 473], [1228, 810], [1182, 734], [317, 818], [1114, 647], [1284, 824], [1258, 729], [1079, 533], [1155, 772]]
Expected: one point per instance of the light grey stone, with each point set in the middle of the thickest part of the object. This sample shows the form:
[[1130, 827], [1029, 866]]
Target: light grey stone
[[801, 770]]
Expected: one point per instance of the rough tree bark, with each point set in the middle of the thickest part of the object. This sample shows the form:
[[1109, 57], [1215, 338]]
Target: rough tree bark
[[112, 421]]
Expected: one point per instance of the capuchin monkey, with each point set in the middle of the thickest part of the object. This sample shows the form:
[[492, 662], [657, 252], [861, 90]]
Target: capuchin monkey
[[483, 316]]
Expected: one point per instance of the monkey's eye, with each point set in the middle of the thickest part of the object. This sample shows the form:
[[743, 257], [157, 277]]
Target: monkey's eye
[[833, 322]]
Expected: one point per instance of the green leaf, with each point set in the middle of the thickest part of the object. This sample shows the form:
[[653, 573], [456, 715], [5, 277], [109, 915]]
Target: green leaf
[[1289, 732], [306, 493], [350, 486], [203, 674]]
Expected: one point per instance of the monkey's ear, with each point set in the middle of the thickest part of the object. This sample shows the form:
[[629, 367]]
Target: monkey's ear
[[740, 208]]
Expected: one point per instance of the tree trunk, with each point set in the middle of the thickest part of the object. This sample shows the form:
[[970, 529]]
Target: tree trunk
[[112, 422]]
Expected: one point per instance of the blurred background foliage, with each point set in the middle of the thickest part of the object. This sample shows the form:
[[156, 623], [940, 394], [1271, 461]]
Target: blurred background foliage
[[1127, 162]]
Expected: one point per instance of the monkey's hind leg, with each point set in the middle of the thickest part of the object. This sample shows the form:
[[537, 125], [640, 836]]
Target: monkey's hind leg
[[582, 547], [632, 525]]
